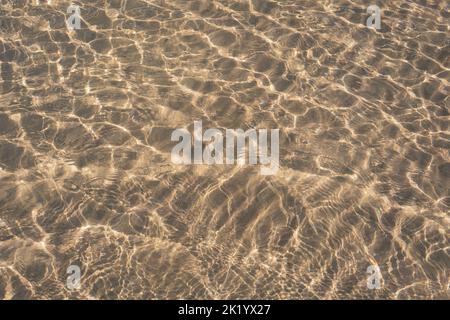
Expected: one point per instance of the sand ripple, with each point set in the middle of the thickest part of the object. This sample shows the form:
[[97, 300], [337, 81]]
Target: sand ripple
[[85, 170]]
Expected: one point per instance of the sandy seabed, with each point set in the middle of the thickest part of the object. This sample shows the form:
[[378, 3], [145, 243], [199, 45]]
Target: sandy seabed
[[86, 176]]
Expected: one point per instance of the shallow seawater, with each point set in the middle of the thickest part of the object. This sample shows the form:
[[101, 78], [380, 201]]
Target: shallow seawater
[[86, 176]]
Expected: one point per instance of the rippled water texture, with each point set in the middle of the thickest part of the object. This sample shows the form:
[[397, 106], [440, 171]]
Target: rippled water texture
[[85, 171]]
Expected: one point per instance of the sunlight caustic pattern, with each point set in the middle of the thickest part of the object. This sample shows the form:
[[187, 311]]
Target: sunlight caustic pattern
[[92, 205]]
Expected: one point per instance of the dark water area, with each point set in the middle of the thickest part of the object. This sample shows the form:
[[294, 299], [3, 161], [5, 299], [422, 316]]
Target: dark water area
[[86, 176]]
